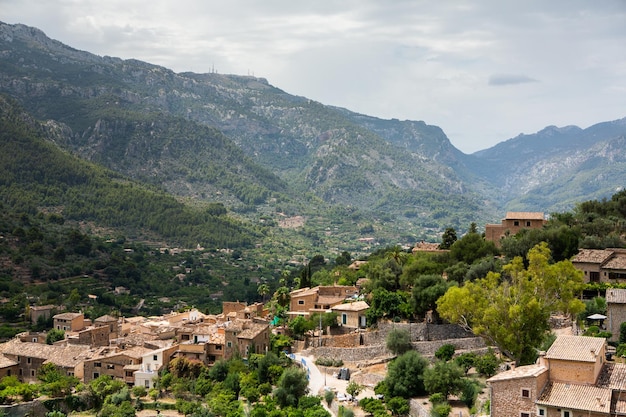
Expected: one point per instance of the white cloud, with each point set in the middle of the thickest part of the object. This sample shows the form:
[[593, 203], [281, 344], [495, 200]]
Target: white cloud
[[483, 71]]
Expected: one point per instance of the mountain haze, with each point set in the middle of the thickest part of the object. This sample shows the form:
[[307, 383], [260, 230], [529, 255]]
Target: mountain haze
[[267, 154]]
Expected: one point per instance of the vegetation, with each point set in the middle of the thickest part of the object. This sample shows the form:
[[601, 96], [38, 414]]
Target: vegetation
[[513, 313]]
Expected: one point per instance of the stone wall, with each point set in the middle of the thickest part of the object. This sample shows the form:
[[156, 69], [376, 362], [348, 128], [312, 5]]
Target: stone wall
[[417, 409], [370, 345]]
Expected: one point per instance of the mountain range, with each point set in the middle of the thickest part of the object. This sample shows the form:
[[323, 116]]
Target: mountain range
[[270, 157]]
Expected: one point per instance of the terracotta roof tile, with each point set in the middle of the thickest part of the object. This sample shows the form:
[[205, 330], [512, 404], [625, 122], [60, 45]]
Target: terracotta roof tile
[[524, 215], [355, 306], [576, 348], [519, 372], [576, 397], [618, 261], [592, 256]]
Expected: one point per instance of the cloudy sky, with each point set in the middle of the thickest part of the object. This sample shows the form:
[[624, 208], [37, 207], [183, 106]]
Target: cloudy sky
[[484, 71]]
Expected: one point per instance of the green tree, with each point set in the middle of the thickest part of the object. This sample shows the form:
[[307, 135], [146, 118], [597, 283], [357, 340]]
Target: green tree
[[471, 248], [448, 238], [466, 361], [263, 290], [398, 341], [487, 364], [354, 388], [54, 335], [513, 313], [445, 352], [425, 293], [398, 406], [405, 375], [443, 377], [291, 386]]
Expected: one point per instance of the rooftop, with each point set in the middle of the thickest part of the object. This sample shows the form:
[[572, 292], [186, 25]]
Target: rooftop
[[576, 397], [527, 371], [576, 348], [355, 306]]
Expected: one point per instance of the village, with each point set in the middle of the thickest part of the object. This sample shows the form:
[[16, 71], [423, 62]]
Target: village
[[577, 374]]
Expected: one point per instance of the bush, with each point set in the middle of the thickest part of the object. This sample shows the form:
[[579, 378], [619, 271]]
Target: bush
[[333, 362], [487, 364], [398, 341], [445, 352], [441, 410]]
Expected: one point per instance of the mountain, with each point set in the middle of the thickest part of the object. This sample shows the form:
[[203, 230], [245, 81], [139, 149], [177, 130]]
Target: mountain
[[268, 155], [557, 167]]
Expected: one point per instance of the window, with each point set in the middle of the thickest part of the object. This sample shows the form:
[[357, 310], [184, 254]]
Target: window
[[110, 366], [229, 344], [28, 360], [541, 412], [300, 302], [97, 364], [516, 223], [525, 393], [566, 413], [218, 347], [344, 318], [155, 357], [524, 414], [96, 375], [527, 224], [32, 372]]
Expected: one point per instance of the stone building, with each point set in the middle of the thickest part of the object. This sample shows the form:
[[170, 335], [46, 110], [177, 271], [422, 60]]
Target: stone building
[[306, 301], [573, 378], [351, 314], [513, 223], [69, 322], [615, 311], [602, 265]]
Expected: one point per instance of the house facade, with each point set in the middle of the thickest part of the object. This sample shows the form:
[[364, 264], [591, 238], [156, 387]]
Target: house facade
[[513, 223], [352, 314], [573, 378], [306, 301], [69, 322], [602, 265]]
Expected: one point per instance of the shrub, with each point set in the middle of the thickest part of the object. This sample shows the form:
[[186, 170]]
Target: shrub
[[398, 341], [445, 352], [441, 410]]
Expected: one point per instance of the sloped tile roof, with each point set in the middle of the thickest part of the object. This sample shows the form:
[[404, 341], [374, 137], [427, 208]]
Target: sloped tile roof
[[618, 261], [355, 306], [576, 397], [524, 215], [576, 348], [592, 256], [613, 375], [519, 372], [616, 296]]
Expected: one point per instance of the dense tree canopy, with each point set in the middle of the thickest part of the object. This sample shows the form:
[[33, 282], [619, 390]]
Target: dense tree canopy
[[511, 310]]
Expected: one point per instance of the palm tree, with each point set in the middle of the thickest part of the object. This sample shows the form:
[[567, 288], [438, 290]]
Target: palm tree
[[263, 290]]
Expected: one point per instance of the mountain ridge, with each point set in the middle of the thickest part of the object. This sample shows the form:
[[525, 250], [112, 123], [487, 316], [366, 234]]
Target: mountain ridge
[[403, 172]]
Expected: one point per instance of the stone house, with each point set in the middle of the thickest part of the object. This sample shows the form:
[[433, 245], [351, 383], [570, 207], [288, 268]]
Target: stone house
[[92, 336], [615, 311], [69, 322], [306, 301], [41, 313], [602, 265], [351, 314], [513, 223], [571, 379], [114, 363], [255, 338], [8, 367], [30, 356], [108, 321]]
